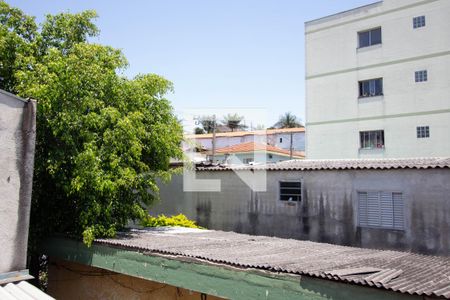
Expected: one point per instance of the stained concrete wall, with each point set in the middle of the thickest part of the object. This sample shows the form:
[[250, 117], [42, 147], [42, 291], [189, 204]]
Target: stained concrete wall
[[17, 140], [328, 212], [69, 280]]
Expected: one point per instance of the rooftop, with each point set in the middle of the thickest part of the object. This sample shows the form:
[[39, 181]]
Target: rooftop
[[402, 272], [252, 147], [343, 13], [345, 164], [245, 133]]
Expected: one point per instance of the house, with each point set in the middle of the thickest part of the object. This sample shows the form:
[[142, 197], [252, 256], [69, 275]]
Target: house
[[176, 263], [387, 93], [401, 204], [252, 152], [280, 138], [18, 135]]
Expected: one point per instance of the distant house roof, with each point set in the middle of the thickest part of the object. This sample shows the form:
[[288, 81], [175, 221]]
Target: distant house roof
[[402, 272], [245, 133], [252, 147], [345, 164]]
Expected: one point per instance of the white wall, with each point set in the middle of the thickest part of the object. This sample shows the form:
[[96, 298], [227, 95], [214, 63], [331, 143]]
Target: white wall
[[17, 117], [335, 65], [272, 139]]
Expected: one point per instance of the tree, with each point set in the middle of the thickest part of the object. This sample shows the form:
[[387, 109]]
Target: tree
[[102, 139], [208, 123], [288, 120], [199, 130], [234, 121]]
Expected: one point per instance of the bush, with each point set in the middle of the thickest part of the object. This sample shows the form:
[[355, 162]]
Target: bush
[[162, 220]]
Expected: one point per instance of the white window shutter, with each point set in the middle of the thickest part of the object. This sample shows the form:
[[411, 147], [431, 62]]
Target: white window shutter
[[398, 210], [373, 209], [362, 209], [387, 210]]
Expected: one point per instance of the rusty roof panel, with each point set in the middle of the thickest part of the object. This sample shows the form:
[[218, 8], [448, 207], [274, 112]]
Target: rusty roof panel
[[391, 270]]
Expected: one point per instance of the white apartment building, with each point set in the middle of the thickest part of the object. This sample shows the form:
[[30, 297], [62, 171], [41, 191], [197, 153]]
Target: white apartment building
[[378, 81]]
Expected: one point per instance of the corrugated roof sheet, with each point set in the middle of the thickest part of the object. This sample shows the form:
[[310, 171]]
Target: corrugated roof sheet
[[343, 164], [252, 147], [22, 291], [390, 270]]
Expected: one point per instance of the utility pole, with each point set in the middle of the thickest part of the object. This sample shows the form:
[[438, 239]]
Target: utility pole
[[290, 147], [213, 139]]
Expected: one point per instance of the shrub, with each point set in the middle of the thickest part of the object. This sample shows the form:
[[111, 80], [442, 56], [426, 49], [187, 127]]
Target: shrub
[[162, 220]]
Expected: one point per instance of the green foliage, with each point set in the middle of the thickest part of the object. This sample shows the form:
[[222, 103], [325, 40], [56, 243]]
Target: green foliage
[[234, 122], [288, 120], [161, 220], [102, 139]]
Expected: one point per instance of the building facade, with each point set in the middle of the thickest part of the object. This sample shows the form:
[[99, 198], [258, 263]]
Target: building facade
[[377, 81], [253, 153], [280, 138], [401, 204]]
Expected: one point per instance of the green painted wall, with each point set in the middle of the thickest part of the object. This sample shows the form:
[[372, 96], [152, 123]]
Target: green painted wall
[[226, 282]]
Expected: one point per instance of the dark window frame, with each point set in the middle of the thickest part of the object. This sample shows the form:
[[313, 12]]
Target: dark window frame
[[423, 132], [372, 139], [368, 38], [419, 22], [290, 189], [371, 87], [421, 76]]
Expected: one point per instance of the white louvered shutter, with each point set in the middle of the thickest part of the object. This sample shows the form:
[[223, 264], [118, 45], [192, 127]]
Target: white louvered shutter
[[362, 209], [397, 199], [373, 209], [386, 210]]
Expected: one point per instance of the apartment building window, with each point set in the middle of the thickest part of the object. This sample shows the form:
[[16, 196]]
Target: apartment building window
[[372, 139], [381, 210], [423, 132], [419, 22], [369, 37], [247, 160], [371, 88], [291, 191], [421, 76]]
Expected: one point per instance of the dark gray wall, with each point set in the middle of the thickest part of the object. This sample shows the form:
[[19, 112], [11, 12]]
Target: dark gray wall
[[328, 212]]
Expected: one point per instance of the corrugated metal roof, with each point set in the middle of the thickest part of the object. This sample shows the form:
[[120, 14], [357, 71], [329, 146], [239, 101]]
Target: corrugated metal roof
[[390, 270], [342, 164], [22, 291]]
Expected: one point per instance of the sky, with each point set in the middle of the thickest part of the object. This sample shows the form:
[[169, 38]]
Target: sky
[[222, 55]]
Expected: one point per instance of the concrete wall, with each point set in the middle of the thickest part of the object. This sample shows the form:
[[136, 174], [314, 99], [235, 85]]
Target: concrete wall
[[69, 280], [17, 138], [335, 115], [328, 212]]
